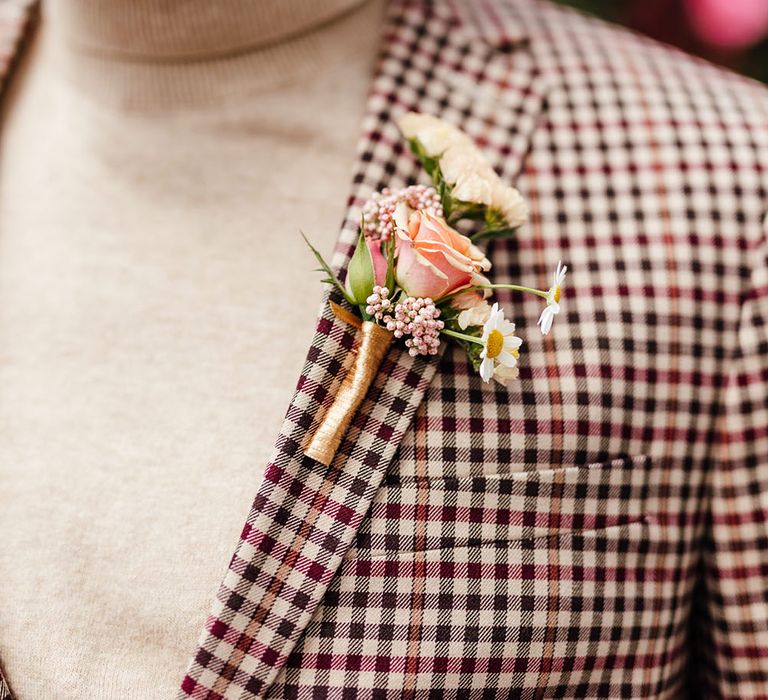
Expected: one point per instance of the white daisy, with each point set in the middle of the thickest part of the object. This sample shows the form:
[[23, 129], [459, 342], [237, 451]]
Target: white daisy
[[553, 299], [500, 347]]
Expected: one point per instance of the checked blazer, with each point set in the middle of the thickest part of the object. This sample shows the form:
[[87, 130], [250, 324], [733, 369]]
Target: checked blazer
[[598, 528]]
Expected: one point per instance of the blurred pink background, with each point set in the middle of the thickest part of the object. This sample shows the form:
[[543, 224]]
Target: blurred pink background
[[730, 32]]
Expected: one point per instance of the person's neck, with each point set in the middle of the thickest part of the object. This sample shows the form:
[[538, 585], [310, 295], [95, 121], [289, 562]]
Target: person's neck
[[148, 55]]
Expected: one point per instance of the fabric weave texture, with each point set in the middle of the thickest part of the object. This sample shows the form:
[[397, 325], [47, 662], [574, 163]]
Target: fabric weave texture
[[598, 528]]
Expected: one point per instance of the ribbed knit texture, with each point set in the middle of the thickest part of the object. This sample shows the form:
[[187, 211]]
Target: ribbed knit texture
[[153, 55], [156, 303]]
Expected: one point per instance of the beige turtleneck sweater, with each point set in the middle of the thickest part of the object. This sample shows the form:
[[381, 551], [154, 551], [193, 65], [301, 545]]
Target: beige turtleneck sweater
[[156, 303]]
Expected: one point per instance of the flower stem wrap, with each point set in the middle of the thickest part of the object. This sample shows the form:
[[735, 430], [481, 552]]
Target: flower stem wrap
[[374, 342]]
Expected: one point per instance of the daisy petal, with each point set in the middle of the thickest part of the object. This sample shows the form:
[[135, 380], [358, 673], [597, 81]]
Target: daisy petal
[[486, 369], [545, 320], [507, 359], [499, 345]]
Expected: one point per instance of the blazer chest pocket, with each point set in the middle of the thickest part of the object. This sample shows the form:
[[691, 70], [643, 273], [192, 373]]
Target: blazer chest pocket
[[410, 514], [480, 585]]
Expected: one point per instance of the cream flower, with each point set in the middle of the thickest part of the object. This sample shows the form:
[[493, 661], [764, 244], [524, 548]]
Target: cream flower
[[474, 316], [510, 203], [463, 160], [504, 374], [500, 346], [463, 165], [435, 135], [474, 188], [476, 181], [553, 299]]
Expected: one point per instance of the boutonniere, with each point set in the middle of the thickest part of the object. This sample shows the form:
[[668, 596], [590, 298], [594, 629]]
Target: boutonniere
[[415, 279]]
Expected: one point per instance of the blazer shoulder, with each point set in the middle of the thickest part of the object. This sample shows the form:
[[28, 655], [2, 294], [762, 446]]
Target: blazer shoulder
[[582, 50], [699, 127]]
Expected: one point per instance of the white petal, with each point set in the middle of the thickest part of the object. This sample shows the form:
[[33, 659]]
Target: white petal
[[545, 320], [437, 139], [401, 215], [486, 369], [559, 276], [490, 324], [507, 359], [435, 135], [506, 327], [412, 122], [497, 315]]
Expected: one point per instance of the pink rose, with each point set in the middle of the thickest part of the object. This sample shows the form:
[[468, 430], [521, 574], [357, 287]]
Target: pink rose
[[379, 262], [433, 260]]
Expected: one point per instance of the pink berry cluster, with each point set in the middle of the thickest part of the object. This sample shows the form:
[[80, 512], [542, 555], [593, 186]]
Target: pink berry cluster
[[379, 210], [417, 317], [420, 319], [379, 302]]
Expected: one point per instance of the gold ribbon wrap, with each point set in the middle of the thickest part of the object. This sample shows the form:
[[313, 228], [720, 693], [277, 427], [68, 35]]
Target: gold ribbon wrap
[[374, 342]]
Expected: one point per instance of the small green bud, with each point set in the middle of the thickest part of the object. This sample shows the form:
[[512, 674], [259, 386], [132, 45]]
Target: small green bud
[[360, 275]]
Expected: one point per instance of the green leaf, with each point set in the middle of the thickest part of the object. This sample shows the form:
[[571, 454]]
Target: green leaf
[[325, 267], [360, 277]]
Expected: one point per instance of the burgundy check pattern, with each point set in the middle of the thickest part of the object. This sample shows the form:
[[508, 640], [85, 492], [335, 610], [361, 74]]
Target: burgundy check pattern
[[598, 528]]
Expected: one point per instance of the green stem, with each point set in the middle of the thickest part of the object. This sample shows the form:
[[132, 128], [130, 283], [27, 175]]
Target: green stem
[[462, 336], [515, 287]]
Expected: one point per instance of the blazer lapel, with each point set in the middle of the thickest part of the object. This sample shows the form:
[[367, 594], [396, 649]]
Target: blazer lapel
[[16, 20], [306, 515]]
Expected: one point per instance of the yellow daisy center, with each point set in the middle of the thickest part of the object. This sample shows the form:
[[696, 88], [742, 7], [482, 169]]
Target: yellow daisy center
[[556, 295], [495, 343]]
